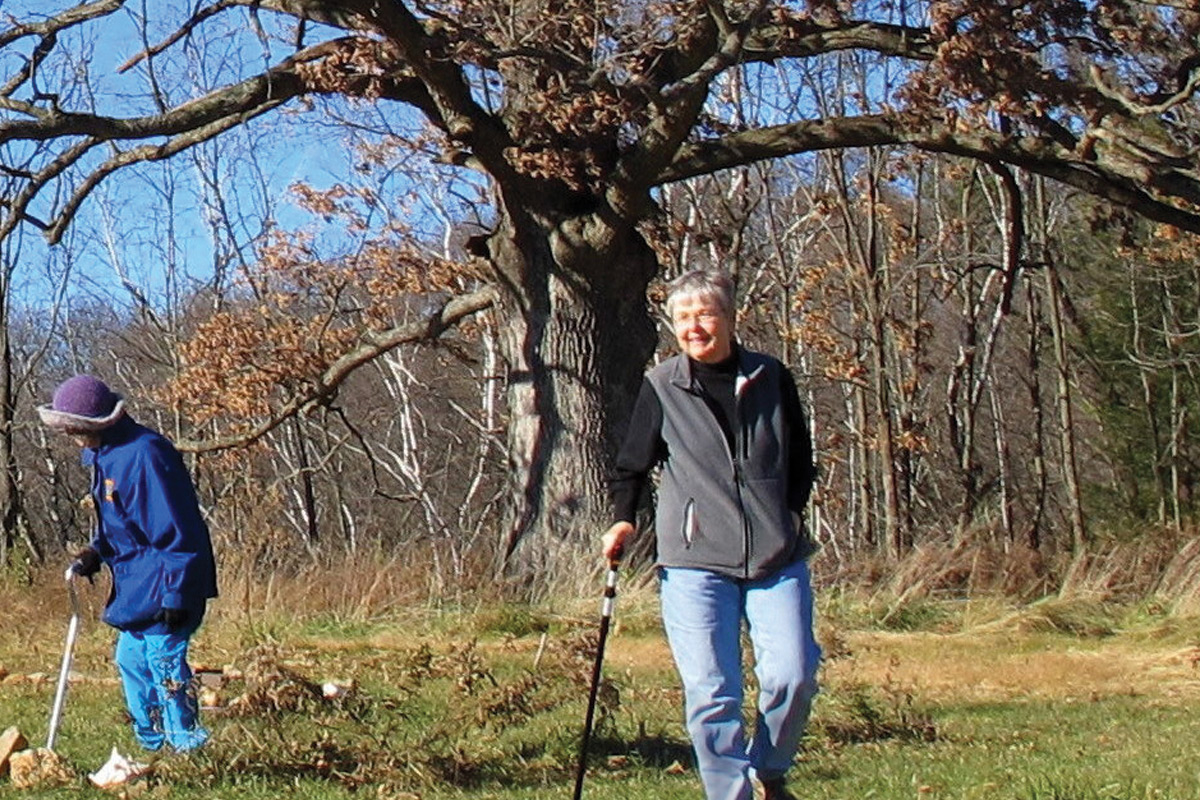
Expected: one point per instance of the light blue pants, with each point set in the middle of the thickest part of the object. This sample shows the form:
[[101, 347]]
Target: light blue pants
[[158, 689], [702, 613]]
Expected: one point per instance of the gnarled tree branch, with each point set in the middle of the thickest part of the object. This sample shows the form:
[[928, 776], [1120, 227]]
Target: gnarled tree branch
[[322, 388], [1144, 187]]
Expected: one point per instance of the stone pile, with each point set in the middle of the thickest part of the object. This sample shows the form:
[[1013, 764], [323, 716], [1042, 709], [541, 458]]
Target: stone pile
[[36, 768]]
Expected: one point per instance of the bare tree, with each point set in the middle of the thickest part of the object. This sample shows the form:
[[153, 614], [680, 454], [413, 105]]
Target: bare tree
[[575, 114]]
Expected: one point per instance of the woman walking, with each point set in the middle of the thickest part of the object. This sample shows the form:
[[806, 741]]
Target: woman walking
[[727, 427]]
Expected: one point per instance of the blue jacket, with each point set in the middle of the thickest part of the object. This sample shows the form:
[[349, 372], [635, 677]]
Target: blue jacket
[[149, 529]]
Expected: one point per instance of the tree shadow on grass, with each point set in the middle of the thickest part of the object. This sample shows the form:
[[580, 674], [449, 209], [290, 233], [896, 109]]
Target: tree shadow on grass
[[652, 751]]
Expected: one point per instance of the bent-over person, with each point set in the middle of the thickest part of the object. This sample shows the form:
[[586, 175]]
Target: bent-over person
[[150, 533]]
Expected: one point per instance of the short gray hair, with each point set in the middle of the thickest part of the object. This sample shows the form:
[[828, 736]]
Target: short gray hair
[[706, 284]]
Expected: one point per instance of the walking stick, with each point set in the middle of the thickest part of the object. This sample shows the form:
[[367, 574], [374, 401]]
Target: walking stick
[[60, 694], [610, 594]]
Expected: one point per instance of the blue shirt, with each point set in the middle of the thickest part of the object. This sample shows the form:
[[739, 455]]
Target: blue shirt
[[149, 528]]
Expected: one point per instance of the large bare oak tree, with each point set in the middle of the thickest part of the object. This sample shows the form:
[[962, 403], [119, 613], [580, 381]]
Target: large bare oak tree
[[575, 112]]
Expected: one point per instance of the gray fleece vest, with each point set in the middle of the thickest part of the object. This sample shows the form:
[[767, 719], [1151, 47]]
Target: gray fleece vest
[[718, 510]]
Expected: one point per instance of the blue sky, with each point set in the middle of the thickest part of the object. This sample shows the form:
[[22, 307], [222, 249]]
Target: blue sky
[[147, 221]]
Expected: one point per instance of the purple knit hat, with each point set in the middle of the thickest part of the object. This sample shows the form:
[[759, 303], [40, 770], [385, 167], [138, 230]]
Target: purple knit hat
[[82, 404]]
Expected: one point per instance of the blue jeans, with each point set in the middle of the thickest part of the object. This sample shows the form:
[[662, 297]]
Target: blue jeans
[[158, 689], [702, 613]]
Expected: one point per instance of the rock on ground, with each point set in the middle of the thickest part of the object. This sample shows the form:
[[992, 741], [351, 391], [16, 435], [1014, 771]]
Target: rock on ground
[[11, 741], [39, 768]]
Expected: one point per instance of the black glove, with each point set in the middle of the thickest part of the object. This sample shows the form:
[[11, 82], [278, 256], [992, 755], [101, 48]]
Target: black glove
[[86, 563], [173, 618]]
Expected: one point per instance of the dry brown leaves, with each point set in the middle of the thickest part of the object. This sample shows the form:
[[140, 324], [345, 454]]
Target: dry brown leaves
[[355, 67], [299, 311]]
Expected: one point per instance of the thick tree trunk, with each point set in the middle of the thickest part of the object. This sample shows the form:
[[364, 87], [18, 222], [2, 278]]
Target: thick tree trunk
[[576, 336]]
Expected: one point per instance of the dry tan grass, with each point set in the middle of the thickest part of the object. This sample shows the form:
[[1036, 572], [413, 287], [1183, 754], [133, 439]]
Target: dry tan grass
[[984, 666], [255, 585], [944, 569], [398, 595], [1006, 666], [980, 666], [1161, 564]]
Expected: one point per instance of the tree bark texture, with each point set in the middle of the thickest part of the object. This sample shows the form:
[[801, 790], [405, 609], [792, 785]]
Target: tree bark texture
[[576, 335]]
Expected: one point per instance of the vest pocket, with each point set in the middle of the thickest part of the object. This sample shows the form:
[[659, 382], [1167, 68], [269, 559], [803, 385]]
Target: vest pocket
[[689, 523]]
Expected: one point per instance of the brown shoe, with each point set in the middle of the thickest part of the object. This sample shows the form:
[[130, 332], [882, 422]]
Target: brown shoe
[[776, 789]]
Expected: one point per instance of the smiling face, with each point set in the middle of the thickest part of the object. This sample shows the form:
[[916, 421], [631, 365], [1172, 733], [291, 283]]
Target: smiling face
[[703, 330]]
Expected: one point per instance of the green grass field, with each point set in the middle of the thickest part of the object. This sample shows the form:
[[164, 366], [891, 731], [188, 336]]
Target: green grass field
[[979, 701]]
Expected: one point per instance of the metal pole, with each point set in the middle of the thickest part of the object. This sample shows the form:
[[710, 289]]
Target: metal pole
[[610, 594], [60, 694]]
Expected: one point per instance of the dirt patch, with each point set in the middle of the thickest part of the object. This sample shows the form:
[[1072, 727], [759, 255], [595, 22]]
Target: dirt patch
[[640, 654]]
